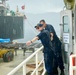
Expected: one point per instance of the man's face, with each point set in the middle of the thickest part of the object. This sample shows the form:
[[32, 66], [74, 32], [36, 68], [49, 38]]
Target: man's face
[[44, 24], [39, 28]]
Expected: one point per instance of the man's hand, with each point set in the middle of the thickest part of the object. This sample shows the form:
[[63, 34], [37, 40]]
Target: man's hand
[[51, 36], [28, 43], [33, 40]]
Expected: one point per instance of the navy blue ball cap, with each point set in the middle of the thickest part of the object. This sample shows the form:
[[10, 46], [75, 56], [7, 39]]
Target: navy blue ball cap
[[39, 25]]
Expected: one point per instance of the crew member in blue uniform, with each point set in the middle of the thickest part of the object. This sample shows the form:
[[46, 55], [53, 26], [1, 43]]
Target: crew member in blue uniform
[[44, 36], [58, 61], [56, 44]]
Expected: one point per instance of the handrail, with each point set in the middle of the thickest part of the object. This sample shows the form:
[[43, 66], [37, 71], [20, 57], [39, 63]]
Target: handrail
[[72, 64], [25, 61]]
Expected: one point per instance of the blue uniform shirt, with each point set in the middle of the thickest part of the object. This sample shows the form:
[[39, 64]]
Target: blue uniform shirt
[[56, 43], [44, 36], [50, 28]]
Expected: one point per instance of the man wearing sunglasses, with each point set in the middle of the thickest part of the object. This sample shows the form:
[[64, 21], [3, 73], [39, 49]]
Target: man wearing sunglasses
[[44, 36]]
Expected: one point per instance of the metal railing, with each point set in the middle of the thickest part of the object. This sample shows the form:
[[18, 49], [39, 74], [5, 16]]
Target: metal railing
[[23, 64], [72, 68]]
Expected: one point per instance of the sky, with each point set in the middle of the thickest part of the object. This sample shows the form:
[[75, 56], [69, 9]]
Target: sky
[[36, 6], [35, 10]]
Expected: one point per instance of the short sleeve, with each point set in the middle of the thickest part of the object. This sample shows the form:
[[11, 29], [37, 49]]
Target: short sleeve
[[39, 35], [51, 29]]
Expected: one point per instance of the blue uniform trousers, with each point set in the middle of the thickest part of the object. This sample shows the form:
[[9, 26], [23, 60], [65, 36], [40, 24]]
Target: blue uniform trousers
[[58, 61], [48, 60]]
